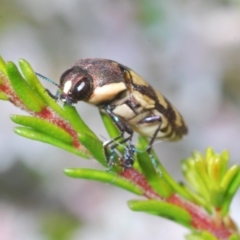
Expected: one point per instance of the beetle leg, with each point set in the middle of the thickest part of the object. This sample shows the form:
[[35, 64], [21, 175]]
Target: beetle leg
[[123, 128], [55, 97], [112, 152], [127, 159], [153, 119], [126, 155]]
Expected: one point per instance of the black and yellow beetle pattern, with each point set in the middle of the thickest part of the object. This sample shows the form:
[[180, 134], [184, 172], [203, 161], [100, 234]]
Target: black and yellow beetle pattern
[[127, 98]]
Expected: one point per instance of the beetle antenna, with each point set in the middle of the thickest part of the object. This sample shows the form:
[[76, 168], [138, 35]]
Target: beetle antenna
[[47, 79]]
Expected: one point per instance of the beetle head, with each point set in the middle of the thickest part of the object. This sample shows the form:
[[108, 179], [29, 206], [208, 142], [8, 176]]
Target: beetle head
[[76, 85]]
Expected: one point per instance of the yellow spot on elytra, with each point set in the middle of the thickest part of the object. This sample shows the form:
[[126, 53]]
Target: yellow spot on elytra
[[124, 111], [106, 92]]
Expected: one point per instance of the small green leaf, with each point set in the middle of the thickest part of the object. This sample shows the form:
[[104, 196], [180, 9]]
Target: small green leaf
[[229, 176], [94, 146], [112, 129], [36, 85], [234, 237], [103, 177], [22, 89], [143, 143], [35, 135], [150, 170], [43, 126], [3, 96], [209, 153], [217, 197], [30, 76], [162, 171], [153, 177], [214, 172], [204, 235], [163, 209], [70, 113], [3, 66], [200, 166], [231, 190], [191, 174], [224, 163], [178, 188]]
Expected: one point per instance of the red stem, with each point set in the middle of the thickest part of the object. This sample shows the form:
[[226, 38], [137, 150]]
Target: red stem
[[201, 220]]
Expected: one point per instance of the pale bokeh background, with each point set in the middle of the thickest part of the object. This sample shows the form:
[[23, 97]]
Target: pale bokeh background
[[189, 50]]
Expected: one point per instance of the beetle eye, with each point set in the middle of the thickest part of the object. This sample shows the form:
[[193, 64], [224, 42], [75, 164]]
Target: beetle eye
[[82, 89]]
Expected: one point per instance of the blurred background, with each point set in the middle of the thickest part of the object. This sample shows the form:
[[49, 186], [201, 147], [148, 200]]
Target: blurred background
[[188, 50]]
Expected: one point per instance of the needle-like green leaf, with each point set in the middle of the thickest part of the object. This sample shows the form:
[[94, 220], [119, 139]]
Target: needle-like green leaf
[[35, 135], [163, 209], [3, 96], [43, 126], [3, 66], [103, 177], [35, 84], [70, 113], [231, 190], [204, 235], [150, 170], [22, 89], [94, 146]]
